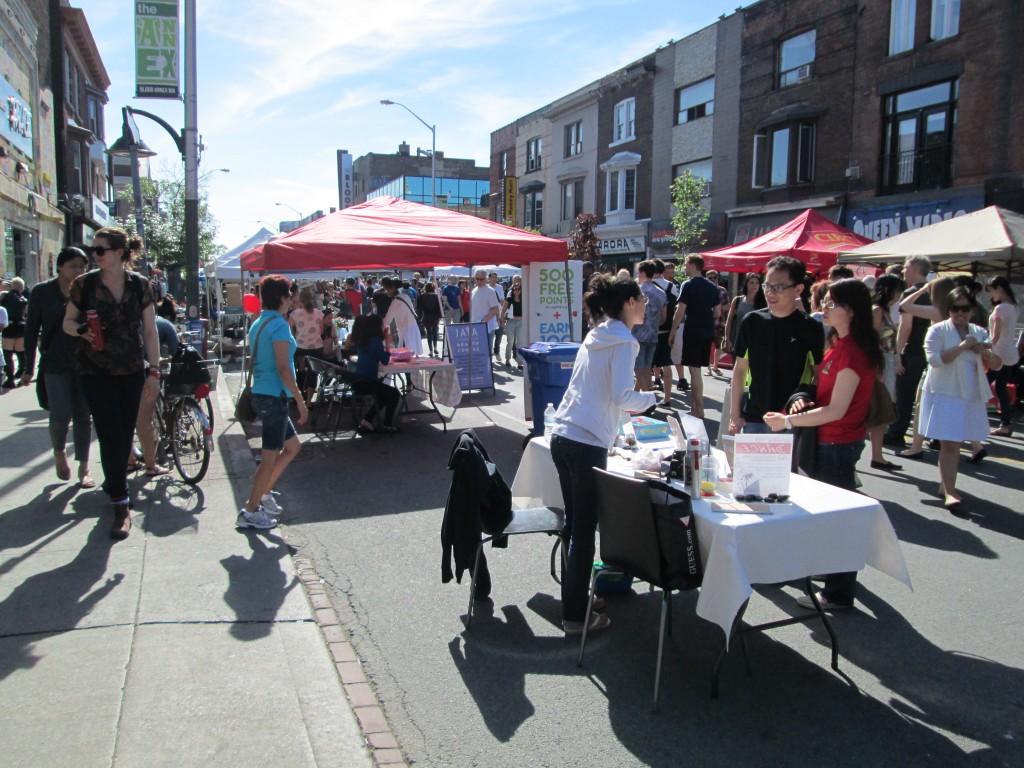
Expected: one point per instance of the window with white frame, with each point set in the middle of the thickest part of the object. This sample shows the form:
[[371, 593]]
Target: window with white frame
[[621, 190], [533, 154], [533, 213], [784, 155], [945, 18], [796, 58], [901, 26], [699, 168], [695, 101], [625, 121], [572, 199], [574, 138]]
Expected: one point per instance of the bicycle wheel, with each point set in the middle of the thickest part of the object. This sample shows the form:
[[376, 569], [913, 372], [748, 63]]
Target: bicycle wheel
[[208, 403], [188, 441]]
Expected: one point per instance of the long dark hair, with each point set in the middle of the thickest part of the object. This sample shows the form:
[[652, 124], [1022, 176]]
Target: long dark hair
[[760, 302], [855, 297], [1000, 281], [366, 328], [607, 296], [887, 288]]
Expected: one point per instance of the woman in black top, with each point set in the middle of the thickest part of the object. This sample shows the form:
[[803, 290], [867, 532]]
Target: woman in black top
[[15, 303], [512, 315], [66, 400], [429, 312], [113, 370]]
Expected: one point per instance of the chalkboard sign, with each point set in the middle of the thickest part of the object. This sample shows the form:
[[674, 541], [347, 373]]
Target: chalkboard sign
[[471, 353]]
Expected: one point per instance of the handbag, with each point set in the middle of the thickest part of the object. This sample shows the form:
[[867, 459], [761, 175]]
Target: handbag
[[676, 526], [881, 409], [244, 409], [41, 394]]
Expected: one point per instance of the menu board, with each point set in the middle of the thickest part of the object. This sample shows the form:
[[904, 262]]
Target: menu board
[[470, 351], [761, 463]]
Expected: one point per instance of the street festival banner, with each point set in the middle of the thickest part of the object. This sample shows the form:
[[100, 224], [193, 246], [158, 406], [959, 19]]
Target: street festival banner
[[471, 353], [554, 301], [156, 50]]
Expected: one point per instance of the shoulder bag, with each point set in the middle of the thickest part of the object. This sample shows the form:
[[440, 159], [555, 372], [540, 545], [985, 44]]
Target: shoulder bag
[[244, 409], [881, 410]]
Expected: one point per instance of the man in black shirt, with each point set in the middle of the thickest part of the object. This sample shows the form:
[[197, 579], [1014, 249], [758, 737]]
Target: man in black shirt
[[699, 306], [910, 344], [777, 346]]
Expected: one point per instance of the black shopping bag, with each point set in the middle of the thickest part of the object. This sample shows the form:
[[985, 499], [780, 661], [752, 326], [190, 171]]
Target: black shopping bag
[[677, 536]]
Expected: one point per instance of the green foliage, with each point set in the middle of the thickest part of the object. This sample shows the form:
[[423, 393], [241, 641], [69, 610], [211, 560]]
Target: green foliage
[[691, 215], [584, 244], [163, 212]]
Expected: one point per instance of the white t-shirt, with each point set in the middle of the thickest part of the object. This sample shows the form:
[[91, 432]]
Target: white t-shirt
[[1006, 347], [480, 302]]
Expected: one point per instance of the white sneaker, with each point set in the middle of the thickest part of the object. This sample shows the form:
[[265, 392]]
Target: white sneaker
[[258, 519], [269, 503]]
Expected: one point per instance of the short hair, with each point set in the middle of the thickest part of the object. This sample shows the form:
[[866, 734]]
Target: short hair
[[961, 292], [69, 253], [839, 272], [695, 258], [480, 273], [647, 267], [17, 284], [921, 263], [350, 281], [274, 289], [659, 266], [795, 268]]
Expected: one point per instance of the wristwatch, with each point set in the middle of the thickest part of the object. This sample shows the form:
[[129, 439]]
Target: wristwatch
[[789, 423]]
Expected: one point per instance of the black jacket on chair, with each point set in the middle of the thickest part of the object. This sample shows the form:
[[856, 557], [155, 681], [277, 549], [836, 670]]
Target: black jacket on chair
[[479, 502]]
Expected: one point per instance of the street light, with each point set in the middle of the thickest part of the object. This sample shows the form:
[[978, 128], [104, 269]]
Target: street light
[[285, 205], [131, 146], [433, 141], [215, 170]]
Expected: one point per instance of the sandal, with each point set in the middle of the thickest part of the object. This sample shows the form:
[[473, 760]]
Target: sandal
[[1002, 432], [86, 481], [157, 470], [977, 458], [915, 455], [598, 621], [60, 461]]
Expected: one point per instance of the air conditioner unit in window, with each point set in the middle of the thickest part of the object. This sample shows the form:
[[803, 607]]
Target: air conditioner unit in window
[[803, 73]]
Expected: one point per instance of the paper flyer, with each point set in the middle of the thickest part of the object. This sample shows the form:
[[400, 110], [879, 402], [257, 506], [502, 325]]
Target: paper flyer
[[761, 464]]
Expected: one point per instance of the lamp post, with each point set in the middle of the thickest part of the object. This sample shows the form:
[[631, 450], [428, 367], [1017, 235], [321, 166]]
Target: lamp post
[[213, 171], [130, 145], [433, 143], [297, 211]]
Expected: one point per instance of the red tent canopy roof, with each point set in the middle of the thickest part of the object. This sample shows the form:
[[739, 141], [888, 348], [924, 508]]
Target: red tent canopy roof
[[388, 233], [810, 237]]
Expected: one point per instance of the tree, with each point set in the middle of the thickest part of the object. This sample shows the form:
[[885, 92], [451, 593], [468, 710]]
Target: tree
[[585, 245], [163, 212], [691, 215]]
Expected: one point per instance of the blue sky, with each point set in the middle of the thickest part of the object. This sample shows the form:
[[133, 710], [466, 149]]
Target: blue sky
[[284, 84]]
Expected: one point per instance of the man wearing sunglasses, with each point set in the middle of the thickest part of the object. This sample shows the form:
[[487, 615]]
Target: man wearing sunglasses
[[776, 350]]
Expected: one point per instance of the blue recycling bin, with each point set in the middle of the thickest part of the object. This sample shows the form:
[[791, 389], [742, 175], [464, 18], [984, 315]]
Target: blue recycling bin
[[549, 366]]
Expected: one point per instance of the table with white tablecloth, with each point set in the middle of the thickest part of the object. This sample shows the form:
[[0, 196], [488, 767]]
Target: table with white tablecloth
[[822, 529], [429, 377]]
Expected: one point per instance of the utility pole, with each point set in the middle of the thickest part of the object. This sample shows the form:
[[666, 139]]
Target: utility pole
[[190, 135]]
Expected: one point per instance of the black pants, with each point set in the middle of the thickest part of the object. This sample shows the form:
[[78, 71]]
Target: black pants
[[906, 390], [114, 404], [384, 396], [431, 329]]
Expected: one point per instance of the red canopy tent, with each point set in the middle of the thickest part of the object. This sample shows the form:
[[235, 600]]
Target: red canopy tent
[[810, 237], [388, 233]]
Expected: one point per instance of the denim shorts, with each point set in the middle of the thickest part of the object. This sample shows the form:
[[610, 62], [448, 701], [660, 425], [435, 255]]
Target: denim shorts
[[277, 426], [645, 357]]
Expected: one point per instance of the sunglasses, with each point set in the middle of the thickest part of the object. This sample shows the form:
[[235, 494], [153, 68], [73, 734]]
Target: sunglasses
[[961, 308], [771, 498], [99, 250]]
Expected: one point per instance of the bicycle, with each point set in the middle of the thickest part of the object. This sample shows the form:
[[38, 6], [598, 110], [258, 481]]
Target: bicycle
[[182, 430]]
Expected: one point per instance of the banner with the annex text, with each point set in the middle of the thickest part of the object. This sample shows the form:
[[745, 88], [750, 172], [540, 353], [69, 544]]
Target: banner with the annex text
[[156, 50]]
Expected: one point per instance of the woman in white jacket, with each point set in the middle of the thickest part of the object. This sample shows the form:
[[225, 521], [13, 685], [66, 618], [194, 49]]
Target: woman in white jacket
[[955, 389], [601, 387]]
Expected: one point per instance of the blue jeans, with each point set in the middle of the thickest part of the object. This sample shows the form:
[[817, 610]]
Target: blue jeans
[[1001, 378], [837, 465], [756, 428], [575, 463], [277, 425]]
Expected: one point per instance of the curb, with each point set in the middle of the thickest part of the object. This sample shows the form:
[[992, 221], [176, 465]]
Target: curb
[[379, 738]]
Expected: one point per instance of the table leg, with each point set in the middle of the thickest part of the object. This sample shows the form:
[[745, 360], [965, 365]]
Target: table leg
[[433, 405], [725, 645], [811, 592]]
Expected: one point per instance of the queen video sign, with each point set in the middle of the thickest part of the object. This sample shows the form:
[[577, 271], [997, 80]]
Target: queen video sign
[[156, 50]]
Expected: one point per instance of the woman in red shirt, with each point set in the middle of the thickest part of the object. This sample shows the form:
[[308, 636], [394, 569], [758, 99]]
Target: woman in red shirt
[[846, 378]]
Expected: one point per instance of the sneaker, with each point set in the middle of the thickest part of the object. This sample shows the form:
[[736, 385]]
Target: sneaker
[[258, 519], [804, 601], [598, 621], [270, 505]]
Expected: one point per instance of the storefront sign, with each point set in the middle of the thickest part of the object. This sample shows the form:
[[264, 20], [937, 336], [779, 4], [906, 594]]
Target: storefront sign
[[344, 178], [510, 192], [16, 124], [617, 245], [662, 233], [881, 222], [554, 301], [470, 349], [100, 213], [156, 50]]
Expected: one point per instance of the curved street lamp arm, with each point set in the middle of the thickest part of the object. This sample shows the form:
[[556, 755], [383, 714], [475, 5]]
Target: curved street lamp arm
[[179, 140]]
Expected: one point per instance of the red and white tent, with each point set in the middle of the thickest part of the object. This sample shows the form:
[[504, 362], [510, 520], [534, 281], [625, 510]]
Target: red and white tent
[[388, 233], [810, 237]]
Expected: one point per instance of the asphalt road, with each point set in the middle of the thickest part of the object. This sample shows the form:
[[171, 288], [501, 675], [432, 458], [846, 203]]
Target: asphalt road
[[930, 677]]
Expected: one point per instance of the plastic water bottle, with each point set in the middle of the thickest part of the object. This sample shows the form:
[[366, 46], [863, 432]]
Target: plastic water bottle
[[549, 420]]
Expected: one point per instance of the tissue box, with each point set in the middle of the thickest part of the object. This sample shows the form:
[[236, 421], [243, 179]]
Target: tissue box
[[648, 429]]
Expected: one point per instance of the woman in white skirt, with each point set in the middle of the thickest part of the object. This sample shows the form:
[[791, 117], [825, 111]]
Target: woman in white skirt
[[955, 388]]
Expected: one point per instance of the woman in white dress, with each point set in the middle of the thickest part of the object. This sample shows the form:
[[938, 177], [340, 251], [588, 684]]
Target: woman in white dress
[[955, 389], [1002, 325]]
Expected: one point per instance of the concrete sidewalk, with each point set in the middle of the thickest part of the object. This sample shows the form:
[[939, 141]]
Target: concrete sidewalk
[[190, 643]]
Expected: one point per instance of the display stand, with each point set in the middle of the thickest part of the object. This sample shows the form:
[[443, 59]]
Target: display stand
[[470, 351]]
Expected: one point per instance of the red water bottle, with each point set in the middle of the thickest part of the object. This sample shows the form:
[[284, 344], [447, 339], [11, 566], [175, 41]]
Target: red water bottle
[[93, 321]]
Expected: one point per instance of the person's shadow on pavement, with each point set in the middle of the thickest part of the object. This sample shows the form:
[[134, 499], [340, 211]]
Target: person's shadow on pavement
[[257, 586], [54, 601]]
